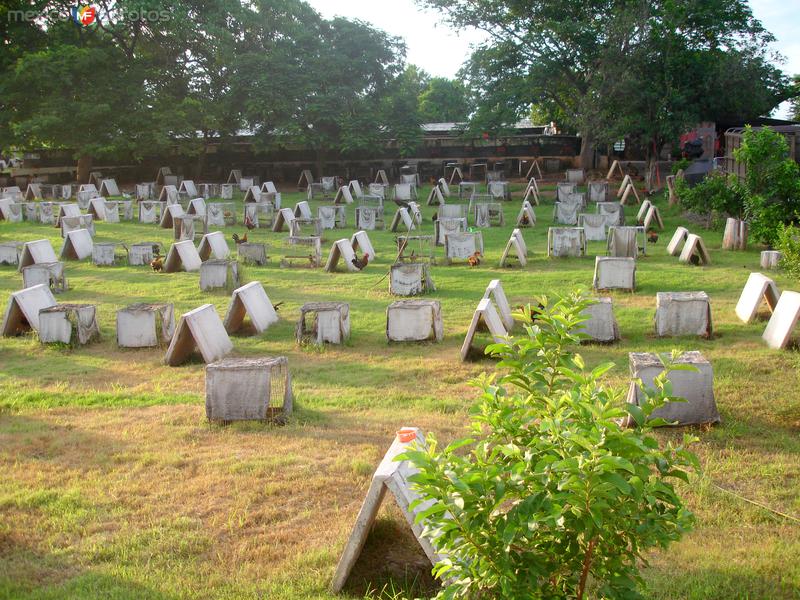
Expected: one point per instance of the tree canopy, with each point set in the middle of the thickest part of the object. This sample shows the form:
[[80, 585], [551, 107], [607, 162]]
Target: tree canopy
[[138, 81], [148, 77], [607, 68], [444, 100]]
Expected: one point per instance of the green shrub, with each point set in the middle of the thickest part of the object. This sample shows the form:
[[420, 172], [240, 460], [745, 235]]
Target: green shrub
[[717, 196], [681, 163], [552, 495], [789, 245], [772, 182]]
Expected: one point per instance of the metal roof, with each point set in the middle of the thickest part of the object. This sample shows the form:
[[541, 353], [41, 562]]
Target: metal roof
[[778, 128]]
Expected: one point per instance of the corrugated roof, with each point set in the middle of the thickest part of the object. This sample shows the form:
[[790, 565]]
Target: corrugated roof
[[426, 127], [449, 126]]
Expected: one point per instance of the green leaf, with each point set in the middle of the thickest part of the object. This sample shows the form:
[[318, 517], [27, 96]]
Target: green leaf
[[637, 413]]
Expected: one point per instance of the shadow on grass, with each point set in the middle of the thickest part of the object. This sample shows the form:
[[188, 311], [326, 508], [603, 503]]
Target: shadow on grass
[[392, 563], [28, 573], [720, 584], [37, 441]]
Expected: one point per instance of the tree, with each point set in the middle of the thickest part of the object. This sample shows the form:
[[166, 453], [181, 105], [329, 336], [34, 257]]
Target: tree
[[589, 61], [698, 65], [400, 110], [334, 87], [125, 86], [795, 103], [195, 72], [552, 495], [772, 182], [444, 100]]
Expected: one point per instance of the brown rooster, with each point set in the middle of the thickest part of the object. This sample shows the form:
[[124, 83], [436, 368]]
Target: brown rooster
[[652, 236], [248, 222], [475, 259], [157, 263], [534, 310], [239, 240], [360, 263], [525, 220]]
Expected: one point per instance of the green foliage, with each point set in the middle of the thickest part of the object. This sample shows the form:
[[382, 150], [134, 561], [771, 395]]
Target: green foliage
[[444, 100], [681, 163], [552, 493], [795, 101], [788, 243], [686, 62], [401, 110], [772, 182], [127, 87], [717, 196]]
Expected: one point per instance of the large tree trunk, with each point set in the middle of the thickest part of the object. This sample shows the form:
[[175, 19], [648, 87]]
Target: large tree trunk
[[84, 168], [653, 178], [586, 157], [201, 163], [320, 162]]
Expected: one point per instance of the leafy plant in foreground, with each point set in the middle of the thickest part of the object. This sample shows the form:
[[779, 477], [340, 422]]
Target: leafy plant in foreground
[[553, 495]]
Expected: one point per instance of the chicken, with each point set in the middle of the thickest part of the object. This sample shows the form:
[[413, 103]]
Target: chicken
[[435, 217], [475, 259], [248, 222], [652, 236], [694, 260], [360, 263], [157, 263], [239, 240], [533, 313], [277, 306], [402, 203], [525, 220]]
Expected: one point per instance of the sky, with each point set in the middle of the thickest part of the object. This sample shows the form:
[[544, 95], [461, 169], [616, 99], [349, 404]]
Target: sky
[[440, 51]]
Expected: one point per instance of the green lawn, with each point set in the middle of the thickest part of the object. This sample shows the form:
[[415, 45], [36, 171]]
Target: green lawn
[[115, 486]]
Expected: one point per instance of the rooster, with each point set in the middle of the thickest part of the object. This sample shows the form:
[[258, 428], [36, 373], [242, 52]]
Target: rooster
[[534, 311], [652, 236], [239, 240], [248, 222], [157, 263], [525, 220], [360, 263], [435, 217], [475, 259]]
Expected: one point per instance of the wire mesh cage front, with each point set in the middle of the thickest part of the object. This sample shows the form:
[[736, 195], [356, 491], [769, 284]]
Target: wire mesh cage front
[[240, 389], [301, 251], [415, 248]]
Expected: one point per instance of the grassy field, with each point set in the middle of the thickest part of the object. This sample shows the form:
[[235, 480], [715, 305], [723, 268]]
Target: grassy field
[[114, 485]]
